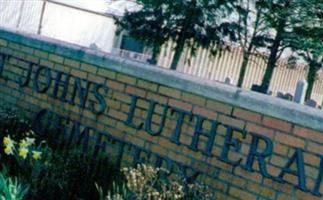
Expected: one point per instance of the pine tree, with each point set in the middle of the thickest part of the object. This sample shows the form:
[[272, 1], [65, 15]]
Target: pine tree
[[307, 39], [188, 23], [253, 34], [279, 15]]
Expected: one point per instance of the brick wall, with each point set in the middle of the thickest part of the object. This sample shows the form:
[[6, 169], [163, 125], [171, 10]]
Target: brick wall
[[242, 144]]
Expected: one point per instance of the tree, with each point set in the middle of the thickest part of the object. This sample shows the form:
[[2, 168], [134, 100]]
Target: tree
[[253, 32], [307, 39], [189, 23], [278, 16]]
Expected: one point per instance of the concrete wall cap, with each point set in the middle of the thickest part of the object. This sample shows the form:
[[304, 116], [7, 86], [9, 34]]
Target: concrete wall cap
[[260, 103]]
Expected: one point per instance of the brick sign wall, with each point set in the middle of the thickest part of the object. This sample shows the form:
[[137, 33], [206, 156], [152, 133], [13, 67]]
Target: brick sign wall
[[242, 144]]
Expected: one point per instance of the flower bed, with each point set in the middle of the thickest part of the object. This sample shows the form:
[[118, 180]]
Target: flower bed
[[35, 167]]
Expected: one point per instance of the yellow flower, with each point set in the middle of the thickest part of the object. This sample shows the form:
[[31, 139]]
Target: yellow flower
[[36, 155], [7, 141], [26, 142], [8, 150], [23, 143], [30, 141], [23, 152]]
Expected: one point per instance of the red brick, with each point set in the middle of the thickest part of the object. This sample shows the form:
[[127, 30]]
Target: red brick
[[126, 79], [134, 140], [197, 155], [311, 159], [194, 99], [205, 112], [289, 140], [231, 121], [116, 85], [309, 134], [283, 196], [117, 114], [254, 176], [96, 78], [146, 136], [280, 149], [277, 124], [180, 104], [157, 97], [315, 148], [241, 194], [273, 170], [170, 92], [135, 91], [166, 143], [235, 180], [260, 130], [219, 195], [247, 115], [222, 165], [158, 149], [286, 188], [262, 190], [215, 184], [218, 106], [306, 196], [180, 158]]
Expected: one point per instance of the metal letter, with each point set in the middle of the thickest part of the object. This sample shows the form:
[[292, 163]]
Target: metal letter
[[36, 85], [179, 123], [59, 82], [149, 118], [253, 153], [82, 93], [300, 172], [316, 190], [131, 114], [228, 142], [100, 98], [199, 131]]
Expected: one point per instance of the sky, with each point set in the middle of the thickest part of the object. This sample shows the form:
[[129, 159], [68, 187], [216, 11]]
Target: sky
[[103, 6]]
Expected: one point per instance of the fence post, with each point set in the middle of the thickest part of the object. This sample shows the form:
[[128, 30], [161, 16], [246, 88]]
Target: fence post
[[41, 17]]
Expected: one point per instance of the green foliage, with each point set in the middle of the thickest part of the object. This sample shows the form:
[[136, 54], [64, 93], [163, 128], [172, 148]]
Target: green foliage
[[73, 175], [64, 173], [307, 38], [117, 192], [189, 23], [11, 188], [254, 33], [13, 122]]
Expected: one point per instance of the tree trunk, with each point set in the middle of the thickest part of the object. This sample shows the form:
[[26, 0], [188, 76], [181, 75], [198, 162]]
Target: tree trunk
[[243, 69], [272, 58], [274, 52], [178, 52], [311, 76]]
